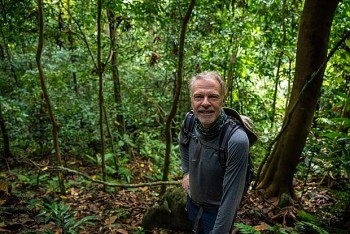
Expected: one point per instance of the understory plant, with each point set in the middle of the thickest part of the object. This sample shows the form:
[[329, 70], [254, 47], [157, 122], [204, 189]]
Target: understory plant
[[62, 215]]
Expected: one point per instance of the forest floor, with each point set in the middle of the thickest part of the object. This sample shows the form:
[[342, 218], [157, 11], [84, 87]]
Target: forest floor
[[121, 210]]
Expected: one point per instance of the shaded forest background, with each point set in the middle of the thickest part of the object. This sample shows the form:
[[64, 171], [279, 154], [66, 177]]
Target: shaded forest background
[[111, 72]]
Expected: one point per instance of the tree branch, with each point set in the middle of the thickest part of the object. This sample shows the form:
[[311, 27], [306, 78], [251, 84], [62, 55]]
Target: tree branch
[[148, 184]]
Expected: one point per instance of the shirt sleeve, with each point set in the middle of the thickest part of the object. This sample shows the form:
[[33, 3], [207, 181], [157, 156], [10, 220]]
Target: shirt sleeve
[[184, 154], [234, 181]]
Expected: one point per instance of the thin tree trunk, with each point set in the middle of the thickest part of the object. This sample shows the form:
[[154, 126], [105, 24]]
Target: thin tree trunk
[[110, 135], [168, 136], [345, 114], [6, 153], [230, 77], [315, 25], [289, 82], [280, 57], [100, 68], [55, 128], [113, 25], [5, 44], [71, 48]]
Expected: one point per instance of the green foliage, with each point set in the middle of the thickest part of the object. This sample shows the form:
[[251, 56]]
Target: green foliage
[[342, 197], [154, 149], [246, 229], [307, 227], [241, 37], [123, 170], [300, 227], [305, 216], [327, 150], [277, 229], [109, 157], [62, 215]]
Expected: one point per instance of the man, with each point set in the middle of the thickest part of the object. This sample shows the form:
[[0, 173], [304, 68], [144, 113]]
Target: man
[[214, 192]]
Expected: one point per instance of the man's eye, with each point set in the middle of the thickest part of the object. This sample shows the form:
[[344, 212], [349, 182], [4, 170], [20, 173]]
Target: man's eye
[[197, 98], [214, 97]]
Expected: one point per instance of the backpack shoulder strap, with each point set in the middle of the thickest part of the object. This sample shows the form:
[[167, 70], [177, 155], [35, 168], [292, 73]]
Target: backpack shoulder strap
[[226, 132], [187, 127], [229, 128]]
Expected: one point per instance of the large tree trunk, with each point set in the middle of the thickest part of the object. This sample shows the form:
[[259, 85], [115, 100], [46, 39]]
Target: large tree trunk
[[314, 29]]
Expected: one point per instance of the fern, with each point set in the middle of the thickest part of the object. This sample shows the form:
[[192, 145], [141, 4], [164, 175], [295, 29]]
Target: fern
[[307, 217], [307, 227], [246, 229], [63, 217], [277, 229]]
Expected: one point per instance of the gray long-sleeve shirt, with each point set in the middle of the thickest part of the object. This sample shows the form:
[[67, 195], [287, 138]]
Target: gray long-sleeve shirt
[[210, 183]]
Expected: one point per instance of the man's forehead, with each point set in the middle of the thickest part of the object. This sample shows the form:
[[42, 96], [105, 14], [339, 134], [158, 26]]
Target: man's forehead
[[206, 84]]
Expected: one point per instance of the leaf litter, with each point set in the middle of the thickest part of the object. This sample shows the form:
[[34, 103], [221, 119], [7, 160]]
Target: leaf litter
[[121, 210]]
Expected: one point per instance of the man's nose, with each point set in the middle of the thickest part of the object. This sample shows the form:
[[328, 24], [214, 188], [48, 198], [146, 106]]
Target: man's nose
[[206, 102]]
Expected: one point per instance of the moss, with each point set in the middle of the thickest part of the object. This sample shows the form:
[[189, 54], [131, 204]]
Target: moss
[[169, 212]]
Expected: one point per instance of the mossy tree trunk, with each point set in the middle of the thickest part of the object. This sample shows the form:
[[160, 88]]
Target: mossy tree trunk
[[314, 29]]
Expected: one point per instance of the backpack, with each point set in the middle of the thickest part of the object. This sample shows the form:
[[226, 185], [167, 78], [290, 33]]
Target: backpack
[[234, 122]]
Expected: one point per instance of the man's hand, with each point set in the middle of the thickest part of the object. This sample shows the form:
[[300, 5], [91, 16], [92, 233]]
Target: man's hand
[[186, 182]]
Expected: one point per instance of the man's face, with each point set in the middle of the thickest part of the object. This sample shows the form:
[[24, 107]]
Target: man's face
[[206, 101]]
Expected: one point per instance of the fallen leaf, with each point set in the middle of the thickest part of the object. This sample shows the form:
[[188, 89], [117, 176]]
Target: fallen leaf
[[2, 202], [111, 220], [122, 231], [74, 191], [262, 227], [3, 186]]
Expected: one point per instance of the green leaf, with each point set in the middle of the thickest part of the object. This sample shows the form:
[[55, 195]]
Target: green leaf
[[246, 229]]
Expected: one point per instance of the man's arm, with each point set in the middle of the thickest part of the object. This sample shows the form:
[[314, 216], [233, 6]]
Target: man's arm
[[184, 162], [234, 181]]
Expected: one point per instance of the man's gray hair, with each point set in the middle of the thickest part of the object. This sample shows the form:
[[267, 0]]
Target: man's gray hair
[[208, 75]]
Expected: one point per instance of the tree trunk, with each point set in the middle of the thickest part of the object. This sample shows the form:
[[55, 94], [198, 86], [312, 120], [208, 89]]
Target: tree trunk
[[71, 47], [177, 88], [230, 77], [279, 63], [5, 137], [345, 114], [314, 29], [55, 127], [4, 48], [100, 68], [115, 74]]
